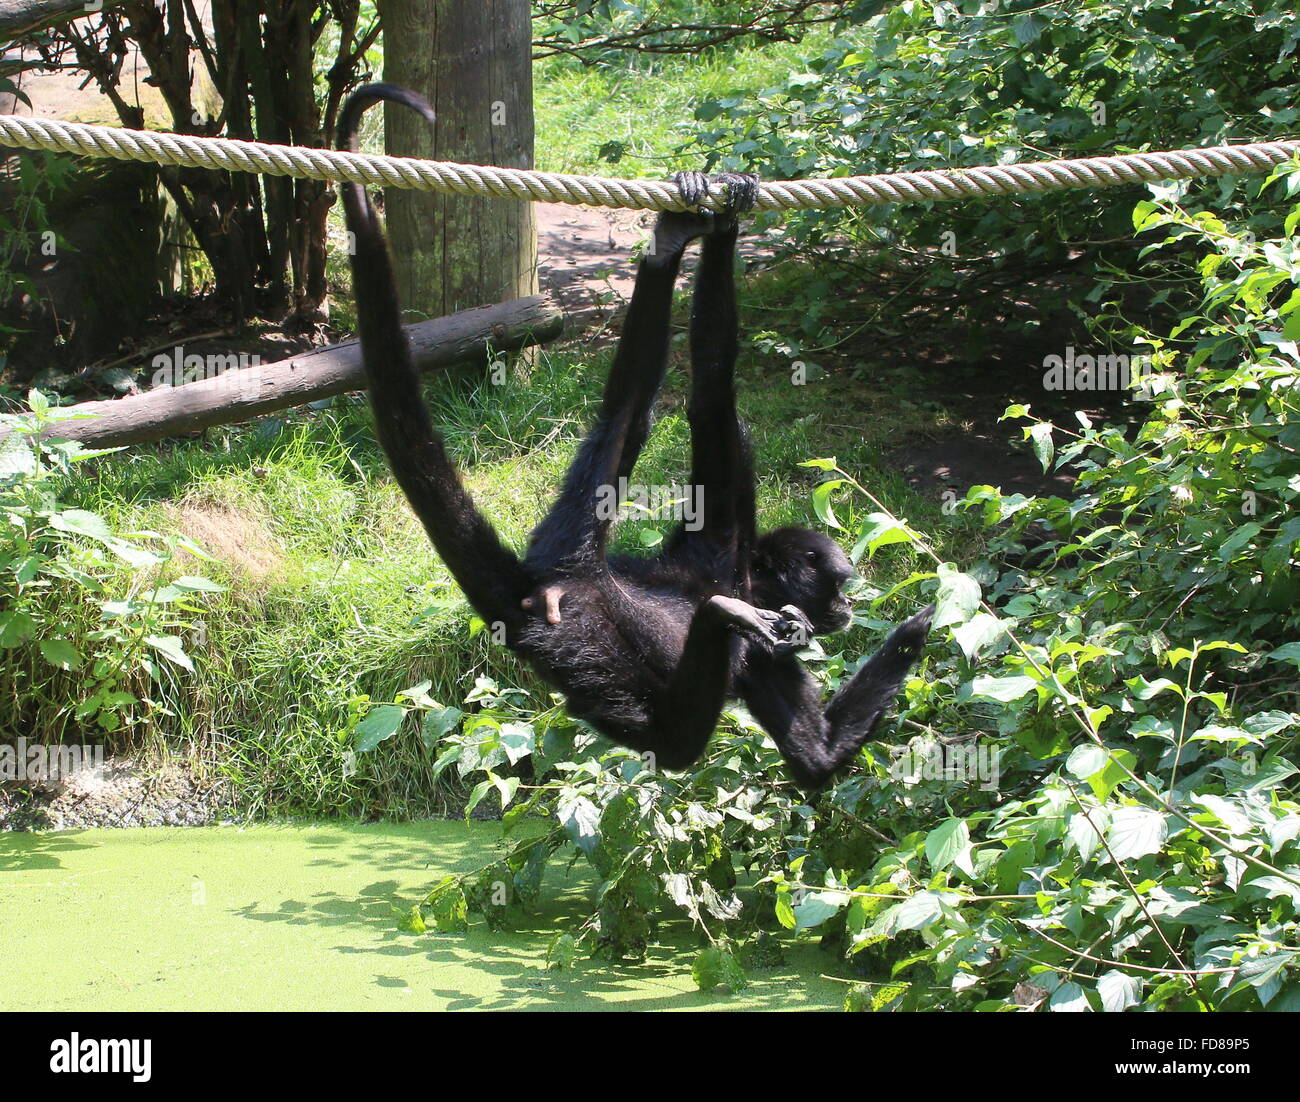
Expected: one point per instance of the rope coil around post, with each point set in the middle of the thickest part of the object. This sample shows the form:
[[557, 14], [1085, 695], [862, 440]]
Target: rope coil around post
[[509, 183]]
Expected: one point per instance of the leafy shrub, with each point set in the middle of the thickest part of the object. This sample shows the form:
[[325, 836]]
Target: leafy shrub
[[956, 85], [1090, 803], [88, 635]]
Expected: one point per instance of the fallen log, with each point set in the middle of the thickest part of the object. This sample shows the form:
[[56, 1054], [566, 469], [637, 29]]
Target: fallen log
[[19, 17], [238, 394]]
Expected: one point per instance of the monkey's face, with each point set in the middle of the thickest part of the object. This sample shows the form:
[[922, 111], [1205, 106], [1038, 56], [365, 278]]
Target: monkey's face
[[796, 566]]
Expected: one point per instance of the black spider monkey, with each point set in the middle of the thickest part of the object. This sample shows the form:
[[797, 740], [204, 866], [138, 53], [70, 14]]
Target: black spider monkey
[[646, 650]]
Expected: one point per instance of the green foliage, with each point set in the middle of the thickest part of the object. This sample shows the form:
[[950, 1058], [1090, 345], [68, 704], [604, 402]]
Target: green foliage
[[954, 85], [1099, 809], [91, 634]]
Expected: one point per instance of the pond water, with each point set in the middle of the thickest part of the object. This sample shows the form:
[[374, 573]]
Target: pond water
[[300, 917]]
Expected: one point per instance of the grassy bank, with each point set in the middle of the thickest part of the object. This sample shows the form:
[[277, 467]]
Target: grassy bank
[[334, 596]]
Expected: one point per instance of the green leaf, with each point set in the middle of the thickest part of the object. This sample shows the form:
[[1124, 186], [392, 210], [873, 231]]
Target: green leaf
[[1135, 832], [198, 585], [877, 531], [977, 633], [412, 921], [1216, 733], [1069, 998], [518, 740], [1263, 724], [1002, 689], [1040, 439], [958, 596], [60, 653], [821, 501], [561, 953], [437, 723], [785, 910], [172, 648], [79, 522], [947, 843], [15, 628], [17, 456], [716, 968], [816, 907], [380, 723], [1082, 830], [1113, 773], [448, 906], [1118, 991], [1288, 653], [1086, 760], [581, 819], [1145, 690], [914, 913], [1275, 886]]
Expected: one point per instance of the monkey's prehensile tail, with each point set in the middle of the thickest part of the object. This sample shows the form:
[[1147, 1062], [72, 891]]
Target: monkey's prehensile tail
[[490, 574]]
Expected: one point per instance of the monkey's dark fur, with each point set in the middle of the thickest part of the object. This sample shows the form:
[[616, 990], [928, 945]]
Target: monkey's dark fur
[[647, 650]]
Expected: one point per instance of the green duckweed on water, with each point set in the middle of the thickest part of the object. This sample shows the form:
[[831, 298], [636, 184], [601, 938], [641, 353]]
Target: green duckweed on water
[[300, 917]]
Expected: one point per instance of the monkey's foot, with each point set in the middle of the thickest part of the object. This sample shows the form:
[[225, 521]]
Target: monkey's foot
[[676, 229], [741, 189], [694, 187]]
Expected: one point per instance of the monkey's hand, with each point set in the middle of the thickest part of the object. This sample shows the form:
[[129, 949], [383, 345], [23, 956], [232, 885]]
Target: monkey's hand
[[776, 633], [863, 699], [741, 189], [675, 229], [795, 630]]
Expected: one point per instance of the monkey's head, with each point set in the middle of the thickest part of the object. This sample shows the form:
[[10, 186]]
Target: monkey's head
[[800, 567]]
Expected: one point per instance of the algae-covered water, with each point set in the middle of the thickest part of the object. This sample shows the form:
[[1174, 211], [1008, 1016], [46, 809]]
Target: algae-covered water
[[300, 917]]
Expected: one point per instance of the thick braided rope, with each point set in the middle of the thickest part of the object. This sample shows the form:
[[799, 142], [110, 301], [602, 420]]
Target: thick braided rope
[[403, 172]]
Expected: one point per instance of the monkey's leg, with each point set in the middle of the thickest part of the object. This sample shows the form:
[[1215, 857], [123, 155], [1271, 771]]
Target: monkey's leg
[[574, 531], [721, 462], [785, 699]]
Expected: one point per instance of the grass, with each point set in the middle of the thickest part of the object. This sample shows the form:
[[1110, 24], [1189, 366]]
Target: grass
[[647, 113]]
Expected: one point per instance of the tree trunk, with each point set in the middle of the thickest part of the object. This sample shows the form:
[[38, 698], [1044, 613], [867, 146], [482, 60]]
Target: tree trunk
[[473, 63]]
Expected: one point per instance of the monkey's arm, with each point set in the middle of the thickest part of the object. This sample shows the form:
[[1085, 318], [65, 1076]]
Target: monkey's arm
[[572, 536], [684, 712], [786, 701], [489, 573]]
